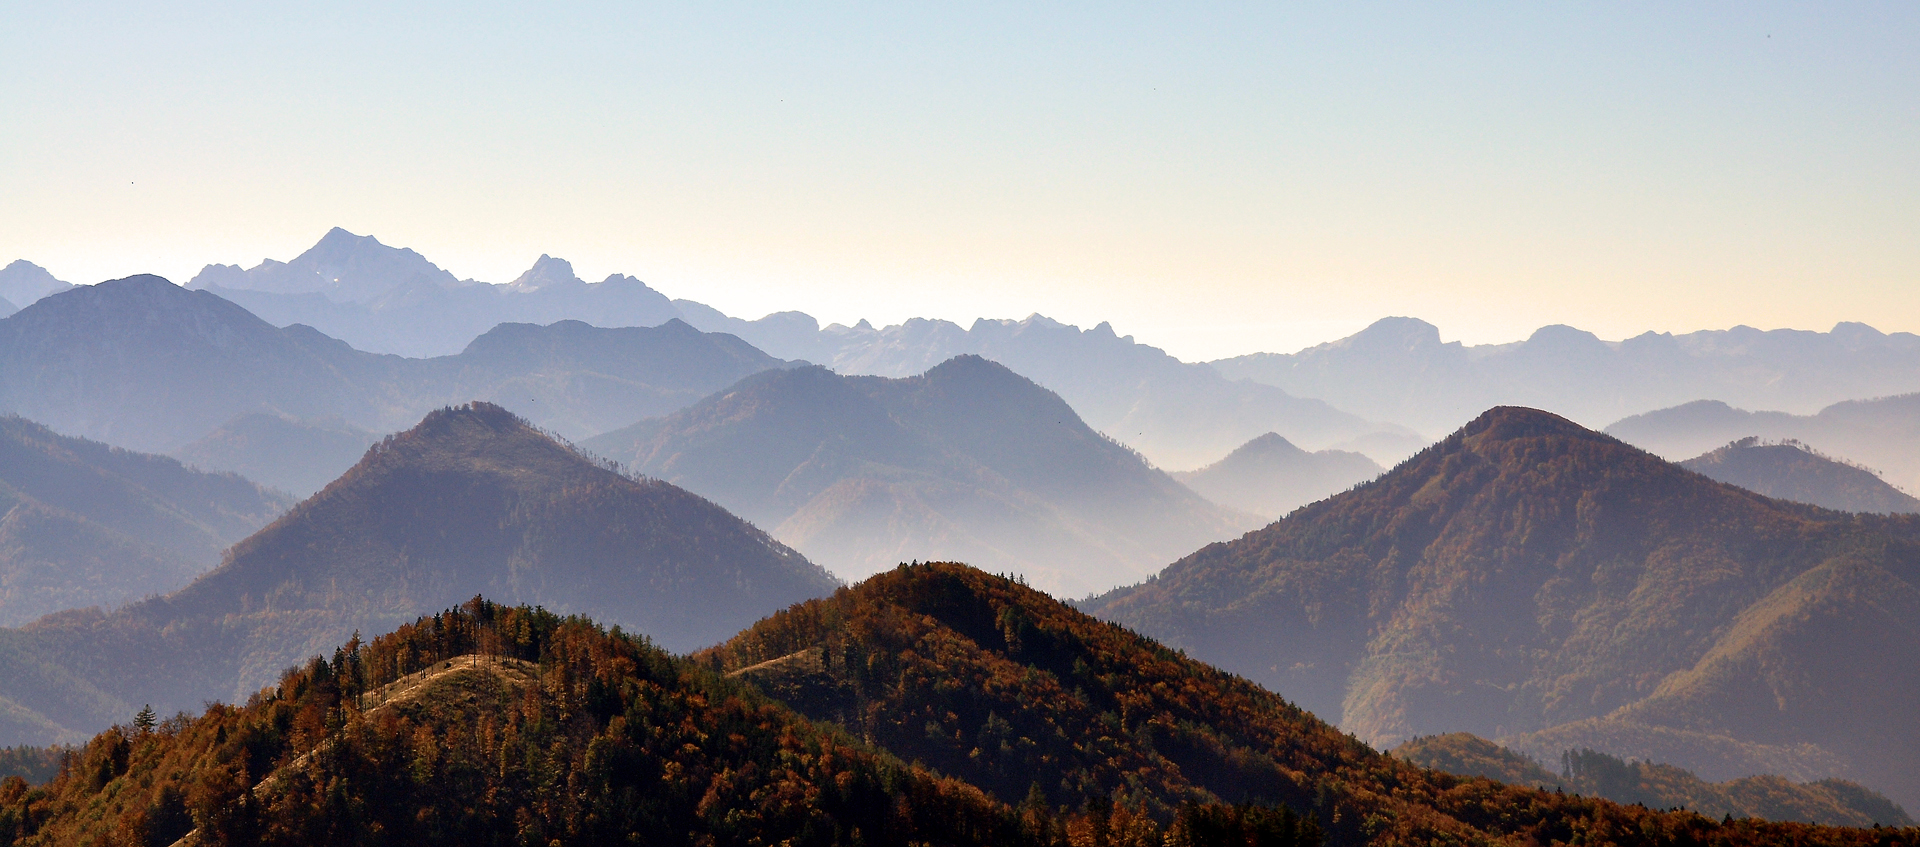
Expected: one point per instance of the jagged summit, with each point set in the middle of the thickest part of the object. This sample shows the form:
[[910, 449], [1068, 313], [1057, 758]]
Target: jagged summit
[[546, 271], [1791, 470], [342, 266]]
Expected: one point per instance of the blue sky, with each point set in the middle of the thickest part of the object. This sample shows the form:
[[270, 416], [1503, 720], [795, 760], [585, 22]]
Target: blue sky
[[1212, 178]]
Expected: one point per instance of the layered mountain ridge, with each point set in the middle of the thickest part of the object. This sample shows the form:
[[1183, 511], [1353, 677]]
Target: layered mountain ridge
[[1399, 370], [1531, 580], [967, 461], [472, 500], [83, 524], [145, 364]]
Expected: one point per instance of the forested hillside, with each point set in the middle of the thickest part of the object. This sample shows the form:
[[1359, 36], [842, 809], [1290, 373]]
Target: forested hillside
[[494, 725], [1535, 582]]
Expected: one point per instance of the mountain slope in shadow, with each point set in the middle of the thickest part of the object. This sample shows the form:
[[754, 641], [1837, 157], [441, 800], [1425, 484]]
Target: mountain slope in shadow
[[472, 500], [1534, 581], [1792, 471], [84, 524], [969, 459]]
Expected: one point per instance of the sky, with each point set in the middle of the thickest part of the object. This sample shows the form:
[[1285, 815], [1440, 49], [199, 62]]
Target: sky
[[1213, 178]]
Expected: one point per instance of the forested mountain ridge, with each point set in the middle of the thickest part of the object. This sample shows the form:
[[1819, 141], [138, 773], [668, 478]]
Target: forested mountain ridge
[[472, 499], [490, 725], [85, 524], [969, 460], [1792, 471], [997, 684], [148, 365], [1530, 579], [496, 725]]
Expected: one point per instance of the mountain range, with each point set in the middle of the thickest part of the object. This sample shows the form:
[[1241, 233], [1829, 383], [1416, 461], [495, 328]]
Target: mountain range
[[1270, 477], [471, 500], [966, 461], [1177, 414], [385, 299], [1399, 370], [1791, 471], [1533, 581], [392, 300], [83, 524], [1880, 433], [145, 364]]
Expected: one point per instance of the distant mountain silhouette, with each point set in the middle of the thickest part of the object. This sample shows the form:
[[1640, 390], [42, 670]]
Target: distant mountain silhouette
[[148, 365], [1399, 370], [84, 524], [1176, 414], [1268, 476], [968, 460], [1882, 434], [295, 456], [472, 500], [343, 267], [23, 282], [7, 308], [1791, 471], [389, 300], [1534, 581]]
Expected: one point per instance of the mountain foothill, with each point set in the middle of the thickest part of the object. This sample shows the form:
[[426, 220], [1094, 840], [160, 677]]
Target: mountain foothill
[[1536, 582], [968, 461], [472, 500]]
